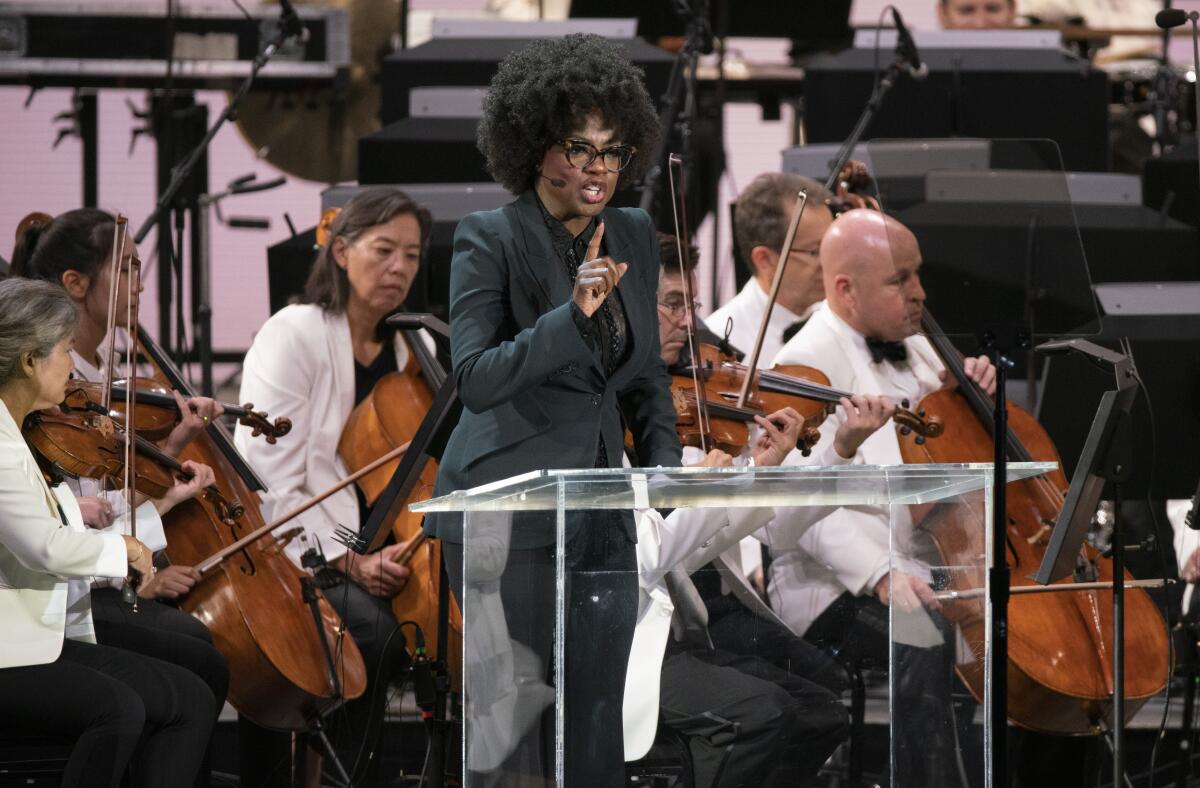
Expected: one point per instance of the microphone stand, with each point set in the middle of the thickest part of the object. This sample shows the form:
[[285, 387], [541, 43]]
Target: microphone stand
[[289, 26], [1195, 82], [182, 170], [682, 84]]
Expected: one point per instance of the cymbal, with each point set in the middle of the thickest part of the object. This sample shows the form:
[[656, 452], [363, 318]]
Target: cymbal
[[313, 133]]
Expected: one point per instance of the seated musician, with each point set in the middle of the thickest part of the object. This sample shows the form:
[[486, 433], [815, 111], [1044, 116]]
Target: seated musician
[[120, 708], [976, 14], [831, 581], [74, 252], [315, 361], [760, 220], [749, 721]]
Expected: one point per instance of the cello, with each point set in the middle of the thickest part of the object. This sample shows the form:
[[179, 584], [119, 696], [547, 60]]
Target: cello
[[386, 419], [263, 617], [1059, 657]]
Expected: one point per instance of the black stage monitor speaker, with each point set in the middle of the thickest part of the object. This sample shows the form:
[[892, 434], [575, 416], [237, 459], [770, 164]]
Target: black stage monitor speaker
[[996, 93], [1166, 351], [814, 25], [472, 62]]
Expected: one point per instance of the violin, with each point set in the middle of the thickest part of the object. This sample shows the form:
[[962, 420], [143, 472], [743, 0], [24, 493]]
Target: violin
[[160, 412], [84, 442], [803, 388]]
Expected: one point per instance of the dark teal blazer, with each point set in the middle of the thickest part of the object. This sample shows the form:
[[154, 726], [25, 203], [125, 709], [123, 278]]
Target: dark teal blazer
[[534, 392]]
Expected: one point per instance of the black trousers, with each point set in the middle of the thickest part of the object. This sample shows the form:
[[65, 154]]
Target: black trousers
[[355, 728], [732, 627], [749, 722], [122, 708], [164, 632], [601, 610], [925, 736]]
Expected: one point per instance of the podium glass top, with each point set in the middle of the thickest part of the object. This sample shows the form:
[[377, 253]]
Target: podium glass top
[[698, 487]]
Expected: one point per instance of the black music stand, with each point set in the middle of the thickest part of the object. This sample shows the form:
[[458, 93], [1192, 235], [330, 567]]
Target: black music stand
[[1106, 460], [440, 418]]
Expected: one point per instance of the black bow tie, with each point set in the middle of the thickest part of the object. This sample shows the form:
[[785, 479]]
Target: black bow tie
[[792, 330], [886, 351]]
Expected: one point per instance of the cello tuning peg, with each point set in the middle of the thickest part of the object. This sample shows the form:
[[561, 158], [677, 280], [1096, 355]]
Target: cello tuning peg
[[919, 440], [921, 413], [904, 403], [905, 430]]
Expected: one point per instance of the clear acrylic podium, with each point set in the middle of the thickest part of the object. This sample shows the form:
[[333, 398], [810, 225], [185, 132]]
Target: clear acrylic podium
[[519, 593]]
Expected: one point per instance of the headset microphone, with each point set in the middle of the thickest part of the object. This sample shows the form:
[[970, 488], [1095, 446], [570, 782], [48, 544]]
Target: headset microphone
[[557, 183]]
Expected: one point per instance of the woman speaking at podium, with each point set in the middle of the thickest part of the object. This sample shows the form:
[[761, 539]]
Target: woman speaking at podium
[[554, 335]]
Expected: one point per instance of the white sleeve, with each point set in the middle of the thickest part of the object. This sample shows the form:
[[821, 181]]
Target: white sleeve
[[1186, 540], [149, 524], [39, 540], [278, 377]]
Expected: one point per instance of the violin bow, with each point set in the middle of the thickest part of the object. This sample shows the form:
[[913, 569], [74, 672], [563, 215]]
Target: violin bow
[[678, 208], [784, 256], [129, 590]]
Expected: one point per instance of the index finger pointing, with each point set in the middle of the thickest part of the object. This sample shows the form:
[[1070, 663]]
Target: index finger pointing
[[593, 250]]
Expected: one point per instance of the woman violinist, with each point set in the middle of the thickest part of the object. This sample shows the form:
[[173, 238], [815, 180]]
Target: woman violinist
[[74, 251], [555, 352], [119, 706], [315, 361]]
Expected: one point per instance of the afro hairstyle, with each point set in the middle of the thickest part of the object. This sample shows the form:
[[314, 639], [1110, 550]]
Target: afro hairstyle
[[543, 92]]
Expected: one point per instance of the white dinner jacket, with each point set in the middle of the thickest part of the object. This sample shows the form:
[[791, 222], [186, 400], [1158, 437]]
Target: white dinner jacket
[[847, 550], [746, 310], [663, 545], [38, 554], [301, 365]]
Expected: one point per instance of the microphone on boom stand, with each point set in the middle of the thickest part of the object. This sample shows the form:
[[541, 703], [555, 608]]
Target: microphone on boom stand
[[1174, 17], [289, 22], [906, 49]]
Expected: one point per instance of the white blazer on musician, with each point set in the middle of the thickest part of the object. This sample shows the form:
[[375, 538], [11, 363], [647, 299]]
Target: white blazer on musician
[[301, 365], [663, 546], [743, 313], [39, 554], [849, 549]]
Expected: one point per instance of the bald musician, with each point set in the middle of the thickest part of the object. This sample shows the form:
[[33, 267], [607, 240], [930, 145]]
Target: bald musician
[[831, 582]]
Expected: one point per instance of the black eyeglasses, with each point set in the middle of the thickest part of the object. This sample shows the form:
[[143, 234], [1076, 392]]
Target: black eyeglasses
[[677, 307], [581, 153]]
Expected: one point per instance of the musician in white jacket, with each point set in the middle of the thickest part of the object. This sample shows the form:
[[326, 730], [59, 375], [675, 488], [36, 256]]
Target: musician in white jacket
[[315, 362], [763, 211], [120, 707], [831, 581], [752, 710]]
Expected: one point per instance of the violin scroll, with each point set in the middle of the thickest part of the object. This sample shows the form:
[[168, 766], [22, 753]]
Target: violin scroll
[[853, 188], [260, 424], [925, 426]]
